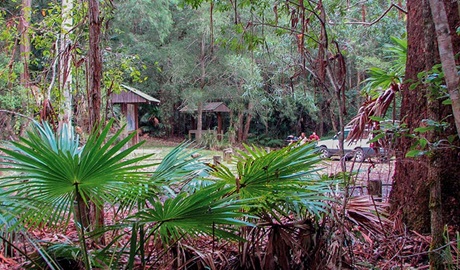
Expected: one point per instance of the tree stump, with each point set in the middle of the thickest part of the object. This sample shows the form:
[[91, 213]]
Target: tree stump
[[216, 160], [374, 187], [228, 152]]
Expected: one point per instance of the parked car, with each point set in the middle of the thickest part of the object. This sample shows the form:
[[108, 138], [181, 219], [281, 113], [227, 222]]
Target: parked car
[[359, 149]]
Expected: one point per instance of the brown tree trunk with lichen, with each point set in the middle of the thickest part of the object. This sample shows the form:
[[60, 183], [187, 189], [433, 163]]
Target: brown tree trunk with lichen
[[447, 56], [247, 123], [94, 73], [415, 179], [24, 46], [94, 64]]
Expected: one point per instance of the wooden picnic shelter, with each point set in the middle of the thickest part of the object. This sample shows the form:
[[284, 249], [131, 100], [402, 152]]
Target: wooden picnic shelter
[[211, 107], [129, 99]]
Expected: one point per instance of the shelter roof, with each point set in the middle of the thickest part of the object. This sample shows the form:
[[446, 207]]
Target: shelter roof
[[132, 95], [209, 107]]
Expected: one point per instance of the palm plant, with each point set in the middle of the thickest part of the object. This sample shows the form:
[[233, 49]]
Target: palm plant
[[52, 171], [382, 79], [285, 194], [378, 102], [180, 202]]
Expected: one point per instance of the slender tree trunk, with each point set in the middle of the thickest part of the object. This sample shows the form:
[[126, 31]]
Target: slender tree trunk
[[247, 124], [202, 85], [94, 64], [338, 90], [240, 123], [435, 206], [94, 91], [24, 50], [447, 55], [65, 75], [232, 129], [24, 46], [199, 122], [434, 175]]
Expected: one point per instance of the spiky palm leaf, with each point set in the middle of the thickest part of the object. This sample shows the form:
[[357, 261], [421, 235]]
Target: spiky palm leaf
[[382, 79], [178, 167], [176, 171], [379, 101], [279, 181], [207, 211], [48, 170]]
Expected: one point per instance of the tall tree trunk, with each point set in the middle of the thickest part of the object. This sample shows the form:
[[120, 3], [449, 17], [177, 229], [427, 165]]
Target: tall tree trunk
[[434, 175], [409, 195], [94, 72], [416, 179], [447, 55], [24, 50], [94, 64], [247, 123], [202, 85], [65, 75], [24, 46]]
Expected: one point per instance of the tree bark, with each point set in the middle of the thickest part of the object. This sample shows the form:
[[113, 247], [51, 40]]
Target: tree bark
[[447, 55], [24, 46], [247, 124], [94, 69], [65, 75], [434, 175], [202, 85], [413, 178]]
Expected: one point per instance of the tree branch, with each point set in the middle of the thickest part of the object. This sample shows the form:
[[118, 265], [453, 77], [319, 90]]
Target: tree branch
[[381, 16]]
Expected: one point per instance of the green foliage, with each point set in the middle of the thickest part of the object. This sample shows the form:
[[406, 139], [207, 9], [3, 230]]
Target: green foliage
[[53, 168], [422, 145], [201, 212], [213, 141], [380, 78], [279, 181], [264, 140], [433, 80]]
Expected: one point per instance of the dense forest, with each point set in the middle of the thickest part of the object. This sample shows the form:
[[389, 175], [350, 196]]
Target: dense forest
[[278, 68]]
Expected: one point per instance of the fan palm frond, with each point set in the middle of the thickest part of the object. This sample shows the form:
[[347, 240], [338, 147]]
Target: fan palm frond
[[48, 169], [207, 211], [282, 181], [383, 79], [178, 166], [398, 51]]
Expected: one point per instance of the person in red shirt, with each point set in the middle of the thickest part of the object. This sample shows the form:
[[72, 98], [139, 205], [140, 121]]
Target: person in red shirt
[[313, 137]]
